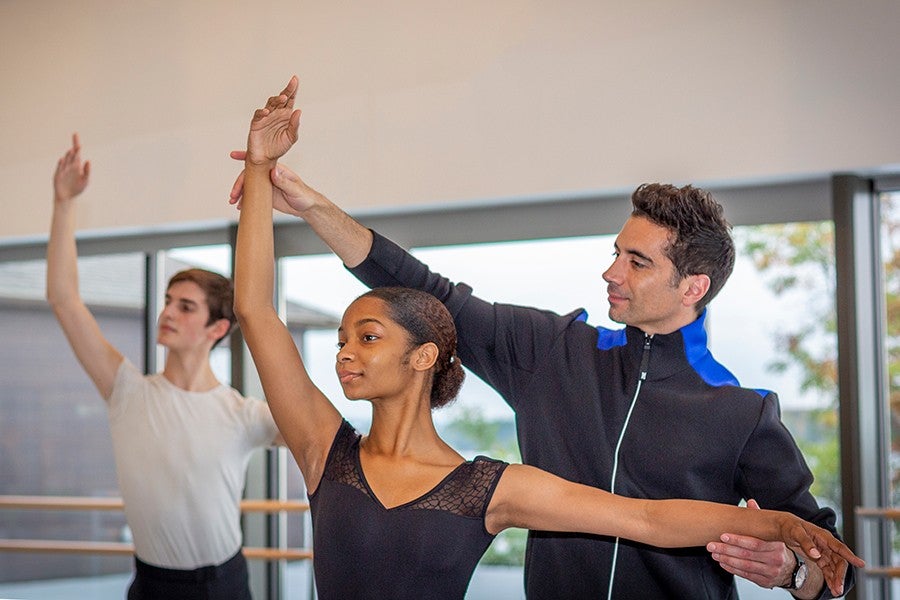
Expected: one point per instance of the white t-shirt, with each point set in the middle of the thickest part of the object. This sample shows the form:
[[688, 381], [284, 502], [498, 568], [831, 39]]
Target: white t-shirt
[[181, 459]]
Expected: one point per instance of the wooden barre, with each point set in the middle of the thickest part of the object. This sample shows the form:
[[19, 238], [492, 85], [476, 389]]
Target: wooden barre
[[880, 513], [885, 513], [278, 554], [88, 503], [120, 548], [882, 571], [270, 506]]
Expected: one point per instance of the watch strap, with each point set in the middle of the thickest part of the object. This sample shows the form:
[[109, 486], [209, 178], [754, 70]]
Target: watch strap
[[798, 562]]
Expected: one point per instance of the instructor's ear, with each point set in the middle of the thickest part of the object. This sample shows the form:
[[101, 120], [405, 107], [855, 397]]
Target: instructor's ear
[[695, 288]]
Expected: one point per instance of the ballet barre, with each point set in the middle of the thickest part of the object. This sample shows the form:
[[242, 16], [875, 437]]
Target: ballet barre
[[880, 513], [121, 548], [109, 503]]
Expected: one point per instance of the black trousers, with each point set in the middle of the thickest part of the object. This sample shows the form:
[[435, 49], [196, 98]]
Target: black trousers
[[228, 581]]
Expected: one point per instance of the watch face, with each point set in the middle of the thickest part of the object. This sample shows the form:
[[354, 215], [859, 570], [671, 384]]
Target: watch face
[[800, 577]]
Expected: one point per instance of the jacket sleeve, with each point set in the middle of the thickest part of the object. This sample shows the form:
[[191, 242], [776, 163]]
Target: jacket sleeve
[[501, 343], [773, 471]]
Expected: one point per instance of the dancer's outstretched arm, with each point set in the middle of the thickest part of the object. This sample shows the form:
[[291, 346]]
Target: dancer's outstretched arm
[[530, 498]]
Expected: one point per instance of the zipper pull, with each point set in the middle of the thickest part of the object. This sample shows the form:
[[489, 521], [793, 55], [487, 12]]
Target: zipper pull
[[645, 358]]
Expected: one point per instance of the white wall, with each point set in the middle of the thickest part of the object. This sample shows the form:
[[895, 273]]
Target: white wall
[[415, 101]]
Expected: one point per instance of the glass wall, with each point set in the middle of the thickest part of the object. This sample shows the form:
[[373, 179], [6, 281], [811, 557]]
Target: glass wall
[[890, 254], [54, 436], [773, 326]]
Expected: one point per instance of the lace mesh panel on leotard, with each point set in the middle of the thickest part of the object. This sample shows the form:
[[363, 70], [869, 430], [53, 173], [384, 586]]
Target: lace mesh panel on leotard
[[341, 466], [465, 492]]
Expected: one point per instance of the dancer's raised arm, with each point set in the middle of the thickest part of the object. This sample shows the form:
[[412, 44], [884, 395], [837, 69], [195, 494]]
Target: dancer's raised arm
[[99, 358], [306, 418]]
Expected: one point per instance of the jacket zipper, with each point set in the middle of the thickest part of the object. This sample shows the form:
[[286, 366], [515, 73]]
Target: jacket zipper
[[642, 376]]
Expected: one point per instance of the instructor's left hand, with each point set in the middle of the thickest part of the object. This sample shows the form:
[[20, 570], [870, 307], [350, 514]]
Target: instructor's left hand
[[767, 564]]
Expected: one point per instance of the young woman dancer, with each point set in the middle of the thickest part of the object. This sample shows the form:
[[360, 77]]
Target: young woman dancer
[[398, 513]]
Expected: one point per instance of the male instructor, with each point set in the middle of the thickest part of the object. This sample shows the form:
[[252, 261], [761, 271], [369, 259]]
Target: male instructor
[[644, 411]]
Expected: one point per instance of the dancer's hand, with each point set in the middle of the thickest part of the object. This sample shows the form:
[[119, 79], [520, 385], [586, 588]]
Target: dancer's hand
[[273, 129], [72, 174]]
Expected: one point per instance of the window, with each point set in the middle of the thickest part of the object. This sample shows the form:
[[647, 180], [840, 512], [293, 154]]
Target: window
[[568, 274], [773, 325], [216, 258], [54, 436], [890, 255]]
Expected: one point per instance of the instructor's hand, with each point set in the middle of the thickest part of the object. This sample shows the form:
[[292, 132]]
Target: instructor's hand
[[767, 564]]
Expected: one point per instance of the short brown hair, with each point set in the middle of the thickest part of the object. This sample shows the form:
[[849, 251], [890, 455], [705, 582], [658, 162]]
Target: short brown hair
[[700, 242], [219, 292]]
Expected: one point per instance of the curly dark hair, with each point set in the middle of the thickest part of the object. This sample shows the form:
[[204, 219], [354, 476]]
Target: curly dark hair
[[700, 238], [427, 320], [219, 292]]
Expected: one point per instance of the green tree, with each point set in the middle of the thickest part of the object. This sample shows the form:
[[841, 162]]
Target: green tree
[[777, 250], [798, 259], [890, 253]]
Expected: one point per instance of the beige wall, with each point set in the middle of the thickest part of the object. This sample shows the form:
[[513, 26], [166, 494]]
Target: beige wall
[[415, 102]]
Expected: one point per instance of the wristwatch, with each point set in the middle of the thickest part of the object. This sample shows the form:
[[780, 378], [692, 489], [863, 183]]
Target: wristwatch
[[798, 577]]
